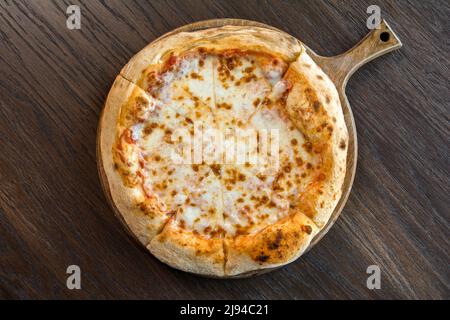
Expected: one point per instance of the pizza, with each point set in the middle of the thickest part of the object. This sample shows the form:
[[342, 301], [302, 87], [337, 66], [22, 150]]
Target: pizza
[[224, 150]]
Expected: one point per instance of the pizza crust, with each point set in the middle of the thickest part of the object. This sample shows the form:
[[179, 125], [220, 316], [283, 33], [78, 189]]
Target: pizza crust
[[308, 76], [125, 199], [228, 37], [189, 252], [276, 245]]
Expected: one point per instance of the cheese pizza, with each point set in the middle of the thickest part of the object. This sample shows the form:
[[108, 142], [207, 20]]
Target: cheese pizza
[[224, 150]]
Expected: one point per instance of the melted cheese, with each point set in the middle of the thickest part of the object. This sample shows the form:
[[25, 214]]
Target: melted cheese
[[240, 86], [211, 91], [248, 201], [203, 212]]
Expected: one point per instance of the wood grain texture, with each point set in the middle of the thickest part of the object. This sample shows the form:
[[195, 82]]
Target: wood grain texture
[[53, 213]]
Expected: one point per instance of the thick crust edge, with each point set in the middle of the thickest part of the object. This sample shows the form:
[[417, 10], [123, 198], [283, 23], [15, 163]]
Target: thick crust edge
[[326, 97], [124, 199], [228, 37], [276, 245], [186, 251]]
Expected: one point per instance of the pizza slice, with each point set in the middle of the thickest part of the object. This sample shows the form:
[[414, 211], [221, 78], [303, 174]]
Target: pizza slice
[[312, 104], [304, 108], [126, 105], [192, 240], [152, 160], [264, 229]]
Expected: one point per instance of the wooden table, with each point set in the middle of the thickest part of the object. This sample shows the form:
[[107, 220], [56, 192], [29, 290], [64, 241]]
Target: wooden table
[[53, 213]]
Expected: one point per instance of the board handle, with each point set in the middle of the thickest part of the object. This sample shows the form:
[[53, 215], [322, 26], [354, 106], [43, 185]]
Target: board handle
[[374, 44]]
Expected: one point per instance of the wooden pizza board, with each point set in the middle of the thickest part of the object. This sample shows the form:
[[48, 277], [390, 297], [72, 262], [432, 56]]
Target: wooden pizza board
[[339, 68]]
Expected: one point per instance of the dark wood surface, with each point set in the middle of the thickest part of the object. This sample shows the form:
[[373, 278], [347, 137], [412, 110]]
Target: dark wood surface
[[53, 213]]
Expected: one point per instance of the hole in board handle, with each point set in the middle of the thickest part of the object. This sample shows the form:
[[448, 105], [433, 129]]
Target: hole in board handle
[[385, 36]]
